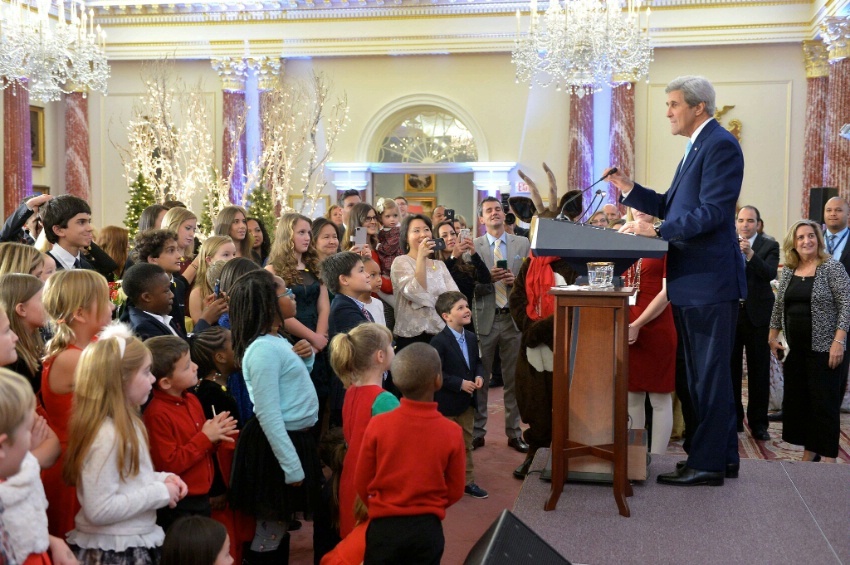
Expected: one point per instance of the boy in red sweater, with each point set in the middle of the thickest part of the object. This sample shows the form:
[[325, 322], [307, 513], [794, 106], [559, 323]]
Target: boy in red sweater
[[411, 466], [182, 440]]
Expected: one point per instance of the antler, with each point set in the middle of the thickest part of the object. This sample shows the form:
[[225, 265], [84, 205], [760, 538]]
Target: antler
[[535, 194], [553, 189]]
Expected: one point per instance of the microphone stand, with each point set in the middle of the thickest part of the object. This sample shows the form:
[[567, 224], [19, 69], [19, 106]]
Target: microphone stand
[[561, 215]]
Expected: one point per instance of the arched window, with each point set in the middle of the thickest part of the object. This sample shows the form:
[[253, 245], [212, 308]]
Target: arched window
[[429, 136]]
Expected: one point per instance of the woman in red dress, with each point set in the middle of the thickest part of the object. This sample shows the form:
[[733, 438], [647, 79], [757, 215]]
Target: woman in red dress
[[652, 345]]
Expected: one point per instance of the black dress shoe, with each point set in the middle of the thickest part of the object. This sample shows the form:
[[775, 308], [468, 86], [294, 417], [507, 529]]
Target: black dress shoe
[[496, 382], [775, 416], [761, 434], [731, 469], [519, 444], [688, 477], [740, 427], [477, 442], [521, 471]]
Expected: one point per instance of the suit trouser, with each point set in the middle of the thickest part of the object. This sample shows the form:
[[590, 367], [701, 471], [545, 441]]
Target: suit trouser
[[504, 336], [466, 421], [708, 352], [754, 339], [682, 391]]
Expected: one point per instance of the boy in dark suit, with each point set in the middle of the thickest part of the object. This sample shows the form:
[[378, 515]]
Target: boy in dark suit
[[462, 374], [148, 289], [346, 278], [160, 248]]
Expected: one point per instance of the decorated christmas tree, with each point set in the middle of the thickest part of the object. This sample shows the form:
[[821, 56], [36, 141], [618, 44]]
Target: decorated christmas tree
[[261, 205], [141, 196]]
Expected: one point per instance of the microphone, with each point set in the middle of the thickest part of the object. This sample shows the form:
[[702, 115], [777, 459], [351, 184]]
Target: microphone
[[601, 194], [561, 215]]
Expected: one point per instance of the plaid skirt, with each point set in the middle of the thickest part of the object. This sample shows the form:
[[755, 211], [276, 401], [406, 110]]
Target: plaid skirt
[[131, 556]]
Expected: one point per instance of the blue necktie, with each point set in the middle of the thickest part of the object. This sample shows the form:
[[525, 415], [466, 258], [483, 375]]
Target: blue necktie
[[462, 342]]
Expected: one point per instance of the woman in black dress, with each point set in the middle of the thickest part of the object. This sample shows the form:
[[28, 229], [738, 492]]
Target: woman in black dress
[[812, 309]]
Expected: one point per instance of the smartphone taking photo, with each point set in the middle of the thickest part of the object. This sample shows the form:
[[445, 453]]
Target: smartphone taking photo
[[361, 236]]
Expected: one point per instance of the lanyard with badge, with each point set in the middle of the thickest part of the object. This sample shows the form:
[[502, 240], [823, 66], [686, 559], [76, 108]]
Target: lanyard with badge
[[831, 247]]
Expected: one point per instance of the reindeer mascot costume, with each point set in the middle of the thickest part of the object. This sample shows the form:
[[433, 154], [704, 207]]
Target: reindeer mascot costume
[[533, 311]]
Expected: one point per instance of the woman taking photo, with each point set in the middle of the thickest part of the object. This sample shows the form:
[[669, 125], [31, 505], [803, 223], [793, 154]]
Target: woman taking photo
[[418, 280], [812, 310], [467, 275]]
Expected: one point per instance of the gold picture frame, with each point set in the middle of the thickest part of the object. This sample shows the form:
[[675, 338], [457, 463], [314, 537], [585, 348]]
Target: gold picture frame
[[426, 203], [40, 189], [323, 203], [37, 136], [420, 183]]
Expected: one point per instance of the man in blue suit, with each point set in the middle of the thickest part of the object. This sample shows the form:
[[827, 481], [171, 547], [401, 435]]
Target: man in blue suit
[[705, 271]]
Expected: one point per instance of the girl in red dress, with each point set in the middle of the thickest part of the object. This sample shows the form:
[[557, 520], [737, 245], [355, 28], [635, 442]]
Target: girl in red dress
[[360, 358], [652, 345], [78, 303]]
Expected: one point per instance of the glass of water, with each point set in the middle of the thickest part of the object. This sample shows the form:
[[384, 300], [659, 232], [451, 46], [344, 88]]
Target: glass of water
[[600, 274]]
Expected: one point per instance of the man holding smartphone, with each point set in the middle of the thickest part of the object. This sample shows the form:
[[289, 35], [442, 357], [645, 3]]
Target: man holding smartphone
[[503, 254]]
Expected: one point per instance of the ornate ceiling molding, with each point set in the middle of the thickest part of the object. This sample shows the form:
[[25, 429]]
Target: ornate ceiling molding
[[321, 28]]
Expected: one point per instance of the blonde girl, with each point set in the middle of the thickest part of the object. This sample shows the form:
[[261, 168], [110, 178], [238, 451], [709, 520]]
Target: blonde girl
[[233, 221], [389, 242], [108, 456], [215, 248], [115, 241], [293, 258], [20, 258], [360, 358], [21, 297], [185, 224], [78, 304]]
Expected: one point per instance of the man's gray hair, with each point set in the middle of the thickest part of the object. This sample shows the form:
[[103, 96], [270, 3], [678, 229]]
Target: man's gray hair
[[695, 89]]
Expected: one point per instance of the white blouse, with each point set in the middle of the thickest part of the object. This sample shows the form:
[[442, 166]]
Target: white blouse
[[118, 514], [414, 305]]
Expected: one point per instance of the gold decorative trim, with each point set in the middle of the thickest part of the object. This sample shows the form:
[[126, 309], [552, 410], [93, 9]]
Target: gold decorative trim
[[817, 60], [232, 71], [267, 69]]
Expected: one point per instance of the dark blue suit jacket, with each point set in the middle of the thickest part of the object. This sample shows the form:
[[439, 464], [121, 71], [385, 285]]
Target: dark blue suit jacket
[[147, 327], [451, 401], [344, 315], [704, 262]]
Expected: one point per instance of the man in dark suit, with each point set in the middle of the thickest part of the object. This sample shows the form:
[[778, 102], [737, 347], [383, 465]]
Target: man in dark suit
[[705, 271], [837, 233], [751, 333], [835, 213]]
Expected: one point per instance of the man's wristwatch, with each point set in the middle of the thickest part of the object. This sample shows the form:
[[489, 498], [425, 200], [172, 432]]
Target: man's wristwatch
[[657, 231]]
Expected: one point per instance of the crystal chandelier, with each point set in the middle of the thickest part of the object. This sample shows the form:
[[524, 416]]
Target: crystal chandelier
[[49, 60], [583, 45]]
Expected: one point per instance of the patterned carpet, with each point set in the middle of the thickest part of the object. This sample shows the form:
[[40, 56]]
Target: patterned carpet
[[776, 449]]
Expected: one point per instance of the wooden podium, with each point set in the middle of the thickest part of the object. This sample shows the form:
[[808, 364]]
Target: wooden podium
[[590, 398]]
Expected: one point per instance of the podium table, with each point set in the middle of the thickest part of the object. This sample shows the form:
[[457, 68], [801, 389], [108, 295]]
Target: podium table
[[590, 388]]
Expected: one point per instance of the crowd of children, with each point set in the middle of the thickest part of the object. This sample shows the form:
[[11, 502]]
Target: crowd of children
[[187, 426]]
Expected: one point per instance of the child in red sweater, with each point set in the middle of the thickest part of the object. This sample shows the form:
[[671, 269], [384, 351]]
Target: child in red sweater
[[411, 466], [182, 440]]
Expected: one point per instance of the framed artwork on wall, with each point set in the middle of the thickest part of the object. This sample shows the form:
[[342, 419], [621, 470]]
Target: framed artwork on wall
[[296, 201], [420, 183], [427, 204], [40, 189], [37, 135]]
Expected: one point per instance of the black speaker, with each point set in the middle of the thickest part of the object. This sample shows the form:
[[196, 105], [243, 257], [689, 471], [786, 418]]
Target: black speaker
[[817, 200], [508, 542]]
